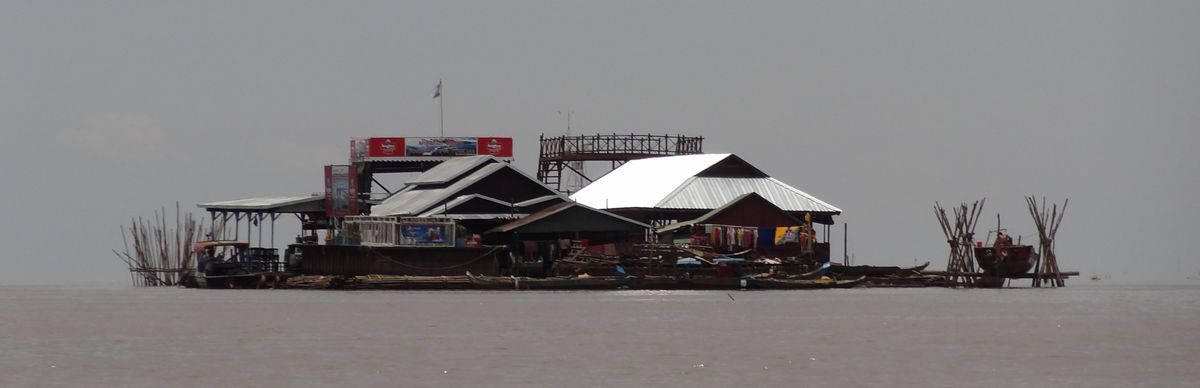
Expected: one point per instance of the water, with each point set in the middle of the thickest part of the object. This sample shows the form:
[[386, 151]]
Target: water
[[1084, 336]]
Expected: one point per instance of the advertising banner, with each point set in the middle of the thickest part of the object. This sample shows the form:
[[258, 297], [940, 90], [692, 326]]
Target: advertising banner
[[385, 147], [427, 148], [427, 233], [500, 147], [441, 146], [787, 234], [341, 185], [358, 149]]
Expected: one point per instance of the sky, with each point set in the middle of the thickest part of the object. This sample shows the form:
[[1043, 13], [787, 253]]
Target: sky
[[112, 110]]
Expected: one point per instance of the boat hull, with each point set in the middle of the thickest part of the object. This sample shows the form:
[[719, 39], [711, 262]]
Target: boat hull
[[1018, 259], [784, 284]]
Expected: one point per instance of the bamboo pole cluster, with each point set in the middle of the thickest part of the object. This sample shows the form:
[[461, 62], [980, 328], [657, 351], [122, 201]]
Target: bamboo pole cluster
[[960, 235], [1047, 220], [161, 255]]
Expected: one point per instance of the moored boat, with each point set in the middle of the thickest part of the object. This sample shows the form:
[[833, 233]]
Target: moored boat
[[790, 284], [551, 283], [874, 271], [1014, 260], [714, 283]]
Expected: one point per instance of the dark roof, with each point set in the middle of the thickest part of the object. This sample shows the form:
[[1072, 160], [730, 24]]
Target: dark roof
[[570, 217], [736, 201], [476, 175]]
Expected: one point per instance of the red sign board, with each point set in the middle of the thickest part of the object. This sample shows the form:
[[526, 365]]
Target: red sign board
[[341, 191], [428, 148], [385, 147], [500, 147]]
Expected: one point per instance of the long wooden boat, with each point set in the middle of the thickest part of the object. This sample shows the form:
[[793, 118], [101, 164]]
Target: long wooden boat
[[551, 283], [1018, 259], [874, 271], [653, 283], [241, 280], [788, 284], [816, 273], [714, 283]]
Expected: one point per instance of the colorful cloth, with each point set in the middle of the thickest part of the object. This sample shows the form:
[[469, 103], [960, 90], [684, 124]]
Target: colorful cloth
[[787, 234]]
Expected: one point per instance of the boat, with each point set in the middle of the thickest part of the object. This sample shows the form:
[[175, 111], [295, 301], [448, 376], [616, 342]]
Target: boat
[[874, 271], [650, 282], [814, 274], [1018, 259], [550, 283], [714, 283], [789, 284], [234, 264]]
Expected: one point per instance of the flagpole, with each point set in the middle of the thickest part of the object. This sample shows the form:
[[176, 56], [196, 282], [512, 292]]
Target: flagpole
[[441, 111]]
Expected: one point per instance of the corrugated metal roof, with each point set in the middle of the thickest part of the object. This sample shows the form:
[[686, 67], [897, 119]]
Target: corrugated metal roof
[[712, 193], [462, 199], [413, 201], [671, 183], [541, 199], [449, 170], [555, 209], [259, 203], [751, 196], [644, 182]]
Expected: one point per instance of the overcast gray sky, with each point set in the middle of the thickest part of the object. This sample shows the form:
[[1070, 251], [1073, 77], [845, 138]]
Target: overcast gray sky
[[111, 110]]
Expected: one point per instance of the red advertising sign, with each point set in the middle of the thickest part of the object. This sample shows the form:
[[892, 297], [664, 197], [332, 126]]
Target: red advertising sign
[[500, 147], [341, 191], [385, 147], [428, 148]]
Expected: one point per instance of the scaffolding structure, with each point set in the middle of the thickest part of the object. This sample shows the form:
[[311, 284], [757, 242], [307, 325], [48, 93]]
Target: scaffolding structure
[[560, 156], [960, 235]]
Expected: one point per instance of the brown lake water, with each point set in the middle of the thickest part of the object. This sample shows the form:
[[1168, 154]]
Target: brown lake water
[[1080, 336]]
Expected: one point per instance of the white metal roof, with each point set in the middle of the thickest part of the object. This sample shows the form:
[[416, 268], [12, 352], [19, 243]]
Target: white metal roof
[[413, 201], [671, 183], [712, 192], [449, 170], [644, 182], [259, 203]]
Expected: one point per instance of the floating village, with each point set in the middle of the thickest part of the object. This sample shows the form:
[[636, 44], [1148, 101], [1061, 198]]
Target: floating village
[[664, 215]]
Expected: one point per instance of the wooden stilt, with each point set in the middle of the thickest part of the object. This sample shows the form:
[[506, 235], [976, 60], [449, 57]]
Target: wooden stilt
[[1047, 221], [960, 266]]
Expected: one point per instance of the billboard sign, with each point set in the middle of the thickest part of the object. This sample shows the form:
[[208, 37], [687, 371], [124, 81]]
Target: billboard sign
[[427, 233], [385, 147], [442, 146], [428, 148], [341, 185], [500, 147]]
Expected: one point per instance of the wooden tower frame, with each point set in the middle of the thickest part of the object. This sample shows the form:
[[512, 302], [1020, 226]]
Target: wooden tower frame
[[960, 267], [1047, 221]]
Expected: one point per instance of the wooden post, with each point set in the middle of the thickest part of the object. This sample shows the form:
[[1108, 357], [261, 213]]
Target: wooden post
[[1047, 221], [960, 266]]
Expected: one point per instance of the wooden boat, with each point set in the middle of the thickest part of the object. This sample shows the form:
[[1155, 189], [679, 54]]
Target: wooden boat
[[242, 280], [714, 283], [788, 284], [551, 283], [1018, 259], [874, 271], [653, 283], [816, 273]]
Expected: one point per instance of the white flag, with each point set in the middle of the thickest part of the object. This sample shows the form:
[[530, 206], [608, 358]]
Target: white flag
[[437, 91]]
